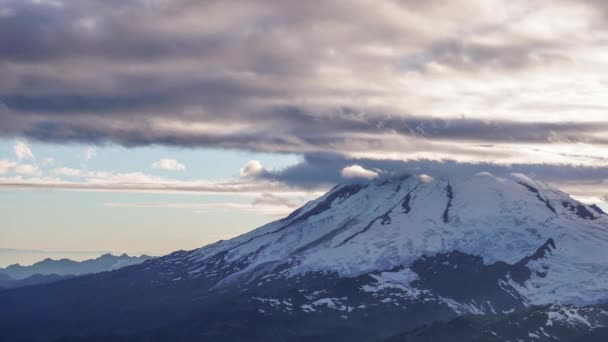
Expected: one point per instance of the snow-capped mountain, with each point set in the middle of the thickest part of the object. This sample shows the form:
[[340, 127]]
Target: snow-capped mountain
[[364, 262], [357, 229]]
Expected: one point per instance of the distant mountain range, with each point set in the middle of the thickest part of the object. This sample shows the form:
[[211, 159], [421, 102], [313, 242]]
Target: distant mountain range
[[50, 270], [405, 259]]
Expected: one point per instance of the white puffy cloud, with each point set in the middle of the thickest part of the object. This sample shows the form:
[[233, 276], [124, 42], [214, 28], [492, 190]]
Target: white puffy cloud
[[357, 171], [424, 178], [22, 151], [66, 171], [7, 166], [90, 153], [168, 165], [26, 169], [252, 168]]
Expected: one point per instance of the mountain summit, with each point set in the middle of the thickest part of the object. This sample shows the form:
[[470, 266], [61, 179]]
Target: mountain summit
[[365, 261], [360, 228]]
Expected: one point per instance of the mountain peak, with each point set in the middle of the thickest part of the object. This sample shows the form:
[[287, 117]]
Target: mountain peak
[[381, 224]]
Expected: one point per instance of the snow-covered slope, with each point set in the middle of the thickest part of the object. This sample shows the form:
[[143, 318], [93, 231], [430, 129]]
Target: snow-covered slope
[[361, 228]]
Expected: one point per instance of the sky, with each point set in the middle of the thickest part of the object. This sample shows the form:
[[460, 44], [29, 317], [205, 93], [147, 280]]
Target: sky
[[147, 126]]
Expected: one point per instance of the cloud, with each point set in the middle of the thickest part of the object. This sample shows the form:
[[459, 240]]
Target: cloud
[[401, 86], [26, 169], [22, 151], [356, 171], [168, 165], [66, 171], [321, 171], [90, 153], [141, 182], [425, 178], [269, 209], [312, 176], [6, 12], [398, 79], [267, 199], [252, 168], [48, 161], [7, 166]]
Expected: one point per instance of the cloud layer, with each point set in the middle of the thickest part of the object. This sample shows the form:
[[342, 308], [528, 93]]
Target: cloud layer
[[356, 171], [473, 81], [168, 164]]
